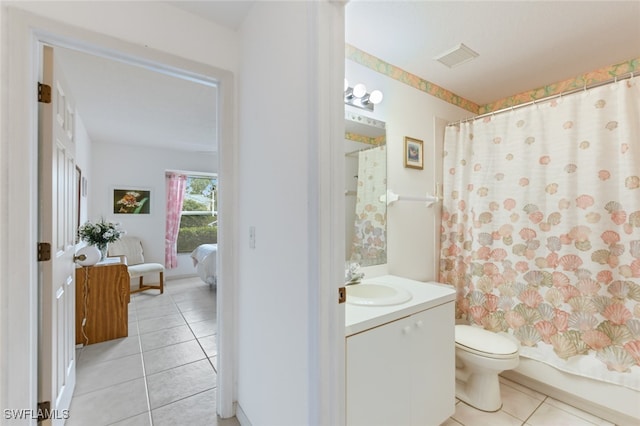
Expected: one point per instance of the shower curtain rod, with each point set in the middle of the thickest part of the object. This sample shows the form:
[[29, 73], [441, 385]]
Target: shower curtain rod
[[548, 98]]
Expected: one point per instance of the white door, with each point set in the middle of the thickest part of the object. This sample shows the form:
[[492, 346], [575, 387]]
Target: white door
[[57, 189]]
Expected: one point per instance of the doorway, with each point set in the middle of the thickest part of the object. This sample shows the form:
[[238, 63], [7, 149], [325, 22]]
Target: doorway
[[29, 34], [133, 124]]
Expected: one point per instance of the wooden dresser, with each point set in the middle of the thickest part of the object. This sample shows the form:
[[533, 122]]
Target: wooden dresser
[[102, 301]]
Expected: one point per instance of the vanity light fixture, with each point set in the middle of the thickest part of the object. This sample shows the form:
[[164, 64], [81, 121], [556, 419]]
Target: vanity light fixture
[[357, 96]]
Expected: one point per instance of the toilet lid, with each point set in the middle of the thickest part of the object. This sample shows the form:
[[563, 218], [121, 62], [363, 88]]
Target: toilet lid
[[481, 341]]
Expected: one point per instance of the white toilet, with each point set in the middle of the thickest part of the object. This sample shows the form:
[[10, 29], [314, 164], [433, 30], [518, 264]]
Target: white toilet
[[480, 356]]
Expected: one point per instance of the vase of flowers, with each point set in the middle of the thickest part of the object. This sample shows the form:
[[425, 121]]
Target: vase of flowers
[[100, 234]]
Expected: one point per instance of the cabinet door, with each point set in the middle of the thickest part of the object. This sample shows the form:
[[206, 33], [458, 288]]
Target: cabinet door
[[378, 375], [433, 360], [102, 297]]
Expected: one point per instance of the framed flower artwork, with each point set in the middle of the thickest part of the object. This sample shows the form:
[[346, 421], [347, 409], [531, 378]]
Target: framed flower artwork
[[413, 153], [131, 201]]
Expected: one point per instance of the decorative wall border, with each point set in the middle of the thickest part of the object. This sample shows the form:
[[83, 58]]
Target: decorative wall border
[[379, 140], [363, 58], [593, 77], [600, 75]]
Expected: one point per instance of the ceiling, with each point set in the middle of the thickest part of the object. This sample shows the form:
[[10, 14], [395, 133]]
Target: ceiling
[[522, 45], [127, 104]]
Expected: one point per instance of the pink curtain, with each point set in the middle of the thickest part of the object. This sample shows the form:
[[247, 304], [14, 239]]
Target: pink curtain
[[176, 184], [541, 229]]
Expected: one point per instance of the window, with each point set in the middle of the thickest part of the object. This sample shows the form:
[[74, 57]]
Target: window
[[199, 217]]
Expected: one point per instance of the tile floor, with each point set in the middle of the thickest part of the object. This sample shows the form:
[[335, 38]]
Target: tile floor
[[164, 373], [522, 406]]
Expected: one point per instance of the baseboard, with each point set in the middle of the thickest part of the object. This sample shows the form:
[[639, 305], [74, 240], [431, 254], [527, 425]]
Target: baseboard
[[179, 277], [241, 416]]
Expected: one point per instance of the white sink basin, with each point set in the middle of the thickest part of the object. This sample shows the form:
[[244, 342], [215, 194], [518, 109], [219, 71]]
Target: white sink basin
[[372, 294]]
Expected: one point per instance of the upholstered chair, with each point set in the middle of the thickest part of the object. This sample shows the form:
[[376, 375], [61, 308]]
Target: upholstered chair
[[131, 247]]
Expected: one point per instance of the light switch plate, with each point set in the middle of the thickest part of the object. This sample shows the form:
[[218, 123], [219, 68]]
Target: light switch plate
[[252, 237]]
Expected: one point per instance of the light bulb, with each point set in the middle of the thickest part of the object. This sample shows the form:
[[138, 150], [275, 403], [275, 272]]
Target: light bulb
[[359, 90], [375, 97]]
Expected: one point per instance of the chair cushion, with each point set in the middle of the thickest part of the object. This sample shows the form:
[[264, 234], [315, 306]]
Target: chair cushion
[[145, 268], [131, 247]]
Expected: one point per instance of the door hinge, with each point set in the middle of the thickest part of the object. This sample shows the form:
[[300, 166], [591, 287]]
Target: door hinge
[[342, 295], [44, 410], [44, 252], [44, 93]]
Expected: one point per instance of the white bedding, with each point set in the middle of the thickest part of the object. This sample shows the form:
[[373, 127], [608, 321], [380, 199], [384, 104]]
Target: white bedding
[[205, 259]]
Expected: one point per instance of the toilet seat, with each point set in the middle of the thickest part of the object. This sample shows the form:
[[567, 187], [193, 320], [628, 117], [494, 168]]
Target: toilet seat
[[485, 343]]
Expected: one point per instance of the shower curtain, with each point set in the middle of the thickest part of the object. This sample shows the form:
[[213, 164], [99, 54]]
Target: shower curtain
[[541, 229], [370, 240]]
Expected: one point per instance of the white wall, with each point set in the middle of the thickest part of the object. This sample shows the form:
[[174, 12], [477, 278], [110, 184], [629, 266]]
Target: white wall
[[277, 188], [412, 228], [152, 24], [273, 185], [122, 167]]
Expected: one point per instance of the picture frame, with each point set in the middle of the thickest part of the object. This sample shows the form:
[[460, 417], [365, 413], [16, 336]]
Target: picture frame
[[83, 185], [79, 195], [413, 153], [131, 200]]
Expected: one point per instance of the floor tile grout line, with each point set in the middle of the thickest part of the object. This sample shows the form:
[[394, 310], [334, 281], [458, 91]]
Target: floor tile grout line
[[579, 413], [106, 387], [201, 348], [136, 320], [186, 397], [164, 344], [172, 344], [534, 411], [198, 338], [144, 371], [94, 363], [510, 384]]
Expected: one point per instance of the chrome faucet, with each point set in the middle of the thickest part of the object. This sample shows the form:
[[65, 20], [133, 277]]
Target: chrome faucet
[[351, 274]]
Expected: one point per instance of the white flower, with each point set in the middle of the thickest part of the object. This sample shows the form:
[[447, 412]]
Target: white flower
[[100, 233]]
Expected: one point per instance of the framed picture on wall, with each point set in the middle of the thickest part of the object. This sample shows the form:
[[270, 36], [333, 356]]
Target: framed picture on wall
[[413, 153], [131, 201], [84, 186], [79, 180]]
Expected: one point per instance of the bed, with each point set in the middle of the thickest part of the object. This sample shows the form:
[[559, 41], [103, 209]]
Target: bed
[[204, 259]]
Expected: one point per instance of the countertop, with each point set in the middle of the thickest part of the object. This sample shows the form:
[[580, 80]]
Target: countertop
[[425, 295]]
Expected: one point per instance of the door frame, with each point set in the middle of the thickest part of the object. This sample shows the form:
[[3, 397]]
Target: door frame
[[18, 226]]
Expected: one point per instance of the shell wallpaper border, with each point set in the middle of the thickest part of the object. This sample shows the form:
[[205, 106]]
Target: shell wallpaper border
[[363, 58], [379, 140]]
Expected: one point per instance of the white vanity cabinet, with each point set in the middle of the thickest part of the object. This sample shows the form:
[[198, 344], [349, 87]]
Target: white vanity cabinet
[[403, 372]]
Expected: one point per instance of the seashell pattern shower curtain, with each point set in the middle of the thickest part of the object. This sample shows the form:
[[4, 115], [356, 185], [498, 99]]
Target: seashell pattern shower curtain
[[370, 240], [541, 229]]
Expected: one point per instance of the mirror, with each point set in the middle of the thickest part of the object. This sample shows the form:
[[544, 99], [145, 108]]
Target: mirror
[[365, 153]]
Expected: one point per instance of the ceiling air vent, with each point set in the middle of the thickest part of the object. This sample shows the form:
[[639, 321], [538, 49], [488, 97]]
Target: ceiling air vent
[[456, 56]]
